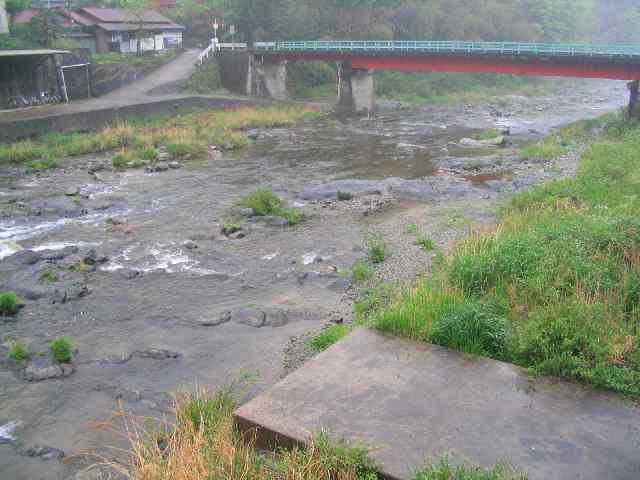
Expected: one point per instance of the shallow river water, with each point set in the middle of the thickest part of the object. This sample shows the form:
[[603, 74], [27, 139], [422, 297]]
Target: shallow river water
[[172, 302]]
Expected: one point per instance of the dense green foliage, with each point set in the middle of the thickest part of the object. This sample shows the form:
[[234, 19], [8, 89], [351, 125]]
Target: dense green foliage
[[206, 79], [556, 287], [264, 202], [9, 304], [62, 350], [328, 337], [18, 351]]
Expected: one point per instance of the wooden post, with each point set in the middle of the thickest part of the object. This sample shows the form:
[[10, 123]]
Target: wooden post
[[634, 108]]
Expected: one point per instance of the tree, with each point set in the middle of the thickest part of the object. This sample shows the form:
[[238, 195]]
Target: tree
[[47, 27], [136, 10]]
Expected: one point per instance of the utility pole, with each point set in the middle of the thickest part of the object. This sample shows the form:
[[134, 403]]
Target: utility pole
[[4, 21]]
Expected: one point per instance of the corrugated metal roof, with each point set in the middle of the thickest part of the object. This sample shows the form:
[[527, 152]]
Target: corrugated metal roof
[[117, 15], [24, 53], [132, 27]]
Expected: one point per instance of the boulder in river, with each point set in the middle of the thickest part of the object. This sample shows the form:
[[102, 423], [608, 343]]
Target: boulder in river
[[35, 373]]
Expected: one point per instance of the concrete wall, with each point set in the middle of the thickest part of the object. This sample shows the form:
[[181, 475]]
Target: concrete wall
[[4, 22], [357, 92], [270, 80], [234, 71], [11, 130], [25, 77]]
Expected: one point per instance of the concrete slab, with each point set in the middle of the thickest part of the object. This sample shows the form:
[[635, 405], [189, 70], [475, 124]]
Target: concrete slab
[[410, 402]]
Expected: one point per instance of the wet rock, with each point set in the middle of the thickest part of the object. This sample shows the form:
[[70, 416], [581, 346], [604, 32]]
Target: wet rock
[[275, 318], [174, 165], [23, 257], [42, 452], [99, 167], [353, 187], [250, 316], [253, 135], [157, 354], [271, 221], [157, 167], [72, 191], [59, 254], [128, 274], [71, 291], [237, 235], [35, 373], [190, 245], [223, 317], [127, 395], [242, 212]]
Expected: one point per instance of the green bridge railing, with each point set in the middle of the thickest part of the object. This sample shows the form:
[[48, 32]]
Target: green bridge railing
[[469, 48]]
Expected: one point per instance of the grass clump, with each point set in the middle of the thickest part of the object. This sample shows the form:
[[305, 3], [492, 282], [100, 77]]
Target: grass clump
[[9, 304], [123, 159], [548, 149], [443, 470], [362, 271], [264, 202], [62, 350], [328, 337], [555, 287], [18, 351], [204, 442], [377, 248], [488, 134], [344, 196], [183, 134], [50, 276]]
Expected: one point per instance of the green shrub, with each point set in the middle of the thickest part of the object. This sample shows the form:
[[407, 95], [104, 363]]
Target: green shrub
[[9, 303], [470, 328], [264, 202], [149, 154], [331, 335], [62, 350], [18, 351], [425, 243], [206, 79], [344, 196], [377, 248], [39, 165], [122, 159], [362, 271]]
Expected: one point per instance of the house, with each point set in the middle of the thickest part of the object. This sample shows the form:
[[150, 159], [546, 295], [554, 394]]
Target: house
[[4, 24], [105, 30]]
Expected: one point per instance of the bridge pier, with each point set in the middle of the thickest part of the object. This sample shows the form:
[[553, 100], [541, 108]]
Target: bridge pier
[[634, 105], [267, 78], [357, 91]]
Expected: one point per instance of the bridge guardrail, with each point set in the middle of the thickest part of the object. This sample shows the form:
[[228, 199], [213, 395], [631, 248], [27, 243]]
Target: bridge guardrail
[[442, 47]]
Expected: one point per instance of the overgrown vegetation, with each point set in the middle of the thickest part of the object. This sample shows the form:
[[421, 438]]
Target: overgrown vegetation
[[148, 59], [328, 337], [264, 202], [556, 286], [444, 470], [139, 140], [204, 443], [62, 350], [548, 149], [18, 351], [206, 79], [362, 271], [378, 250], [9, 304]]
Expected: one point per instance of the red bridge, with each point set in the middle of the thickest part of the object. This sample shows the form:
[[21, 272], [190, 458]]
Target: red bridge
[[360, 58]]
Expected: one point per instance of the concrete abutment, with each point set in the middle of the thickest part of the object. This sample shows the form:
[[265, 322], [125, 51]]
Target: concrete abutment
[[356, 91]]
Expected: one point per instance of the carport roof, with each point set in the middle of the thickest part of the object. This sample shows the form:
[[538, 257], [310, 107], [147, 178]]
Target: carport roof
[[22, 53]]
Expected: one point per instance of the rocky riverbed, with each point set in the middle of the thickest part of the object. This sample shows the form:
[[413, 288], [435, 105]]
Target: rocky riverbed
[[133, 267]]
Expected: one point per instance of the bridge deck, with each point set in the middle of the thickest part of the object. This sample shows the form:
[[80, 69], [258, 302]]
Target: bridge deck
[[608, 52]]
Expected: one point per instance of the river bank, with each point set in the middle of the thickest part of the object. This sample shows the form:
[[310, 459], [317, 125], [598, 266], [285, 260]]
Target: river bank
[[164, 299]]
